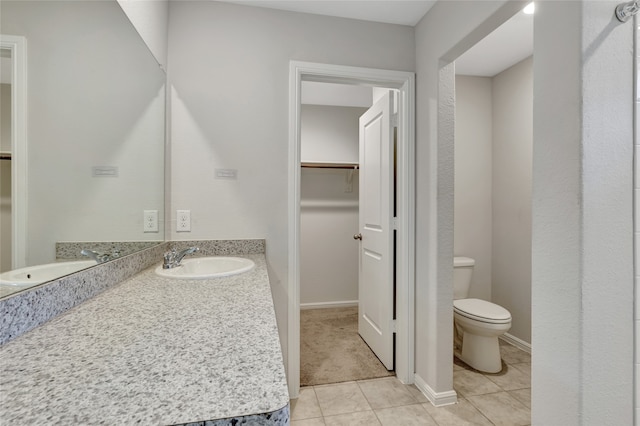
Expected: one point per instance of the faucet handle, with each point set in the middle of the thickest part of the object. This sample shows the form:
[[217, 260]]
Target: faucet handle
[[170, 255]]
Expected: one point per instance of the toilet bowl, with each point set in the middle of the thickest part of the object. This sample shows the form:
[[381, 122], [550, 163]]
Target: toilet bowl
[[478, 323]]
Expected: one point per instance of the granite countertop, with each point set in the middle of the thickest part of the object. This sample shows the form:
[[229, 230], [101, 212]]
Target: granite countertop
[[151, 350]]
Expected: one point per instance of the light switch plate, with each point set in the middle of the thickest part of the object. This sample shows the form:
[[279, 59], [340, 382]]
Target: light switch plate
[[230, 174]]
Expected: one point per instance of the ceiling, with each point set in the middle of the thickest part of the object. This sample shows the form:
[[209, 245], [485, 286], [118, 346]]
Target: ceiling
[[506, 46], [403, 12]]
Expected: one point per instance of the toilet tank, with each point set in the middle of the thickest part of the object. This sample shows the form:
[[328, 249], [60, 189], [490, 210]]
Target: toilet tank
[[462, 271]]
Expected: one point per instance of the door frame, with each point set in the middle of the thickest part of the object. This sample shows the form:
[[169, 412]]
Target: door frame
[[405, 196], [17, 45]]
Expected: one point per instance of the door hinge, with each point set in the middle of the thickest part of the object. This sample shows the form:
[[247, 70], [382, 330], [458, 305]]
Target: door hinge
[[393, 326], [394, 120], [394, 223]]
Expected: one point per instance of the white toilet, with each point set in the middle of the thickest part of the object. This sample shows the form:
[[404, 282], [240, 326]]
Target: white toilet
[[477, 323]]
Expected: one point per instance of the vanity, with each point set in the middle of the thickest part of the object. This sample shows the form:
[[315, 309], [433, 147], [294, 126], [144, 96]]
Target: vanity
[[153, 350]]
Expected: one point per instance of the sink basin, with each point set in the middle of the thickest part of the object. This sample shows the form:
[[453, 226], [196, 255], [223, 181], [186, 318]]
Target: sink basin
[[38, 274], [201, 268]]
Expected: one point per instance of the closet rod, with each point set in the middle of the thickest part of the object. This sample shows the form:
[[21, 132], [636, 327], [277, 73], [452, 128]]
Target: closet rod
[[330, 165]]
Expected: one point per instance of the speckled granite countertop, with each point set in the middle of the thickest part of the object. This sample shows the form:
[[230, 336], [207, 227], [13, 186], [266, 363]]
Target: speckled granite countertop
[[152, 350]]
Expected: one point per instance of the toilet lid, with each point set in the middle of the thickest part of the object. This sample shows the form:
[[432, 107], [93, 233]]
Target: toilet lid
[[481, 310]]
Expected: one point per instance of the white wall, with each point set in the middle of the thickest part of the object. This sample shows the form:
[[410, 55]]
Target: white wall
[[473, 182], [442, 35], [229, 109], [329, 134], [512, 151], [328, 252], [328, 212], [5, 117], [334, 94], [582, 274], [494, 134], [95, 98]]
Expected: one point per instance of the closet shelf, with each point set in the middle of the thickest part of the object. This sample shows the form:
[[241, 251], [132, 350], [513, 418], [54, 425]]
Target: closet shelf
[[5, 155], [310, 164]]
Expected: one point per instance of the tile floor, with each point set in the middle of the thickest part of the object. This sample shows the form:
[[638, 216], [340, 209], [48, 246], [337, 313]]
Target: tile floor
[[483, 399]]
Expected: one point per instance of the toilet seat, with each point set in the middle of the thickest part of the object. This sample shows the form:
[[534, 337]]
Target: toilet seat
[[482, 311]]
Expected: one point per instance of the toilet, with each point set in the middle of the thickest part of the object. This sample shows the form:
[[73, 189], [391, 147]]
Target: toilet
[[477, 323]]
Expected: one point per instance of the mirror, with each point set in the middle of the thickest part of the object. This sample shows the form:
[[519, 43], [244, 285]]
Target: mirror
[[95, 138]]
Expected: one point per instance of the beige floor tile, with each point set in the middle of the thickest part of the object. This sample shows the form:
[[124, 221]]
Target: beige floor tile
[[408, 415], [387, 392], [306, 406], [502, 409], [341, 398], [468, 383], [308, 422], [522, 395], [512, 355], [362, 418], [458, 364], [511, 378], [461, 414], [525, 367], [417, 393]]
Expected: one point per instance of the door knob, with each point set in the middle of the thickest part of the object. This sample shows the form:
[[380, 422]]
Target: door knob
[[357, 237]]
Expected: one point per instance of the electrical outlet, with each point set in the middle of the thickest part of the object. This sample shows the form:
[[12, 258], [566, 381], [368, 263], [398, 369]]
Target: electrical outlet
[[183, 219], [150, 221]]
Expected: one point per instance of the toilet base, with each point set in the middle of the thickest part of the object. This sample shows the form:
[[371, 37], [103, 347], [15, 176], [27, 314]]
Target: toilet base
[[481, 353]]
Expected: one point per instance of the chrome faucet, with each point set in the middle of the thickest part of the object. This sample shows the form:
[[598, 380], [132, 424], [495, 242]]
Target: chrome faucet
[[172, 258], [98, 257]]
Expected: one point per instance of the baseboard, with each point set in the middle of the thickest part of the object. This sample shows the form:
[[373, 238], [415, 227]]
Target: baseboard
[[326, 305], [518, 343], [438, 399]]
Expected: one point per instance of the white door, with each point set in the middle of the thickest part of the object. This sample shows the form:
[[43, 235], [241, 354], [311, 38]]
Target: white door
[[376, 275]]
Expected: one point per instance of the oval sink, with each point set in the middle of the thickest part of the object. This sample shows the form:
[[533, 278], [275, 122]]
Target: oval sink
[[201, 268], [38, 274]]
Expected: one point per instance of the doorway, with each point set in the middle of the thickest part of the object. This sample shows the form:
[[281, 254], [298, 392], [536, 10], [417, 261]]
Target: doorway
[[404, 324], [13, 51], [5, 159], [342, 311], [493, 169]]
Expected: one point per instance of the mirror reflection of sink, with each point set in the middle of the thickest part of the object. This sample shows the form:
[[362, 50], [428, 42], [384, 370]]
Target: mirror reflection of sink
[[201, 268], [38, 274]]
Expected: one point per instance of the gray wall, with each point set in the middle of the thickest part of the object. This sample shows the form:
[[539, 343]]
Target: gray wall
[[229, 77], [582, 254], [512, 150], [150, 19], [329, 133], [328, 213], [328, 252], [493, 148], [473, 182], [449, 29], [5, 124], [80, 52]]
